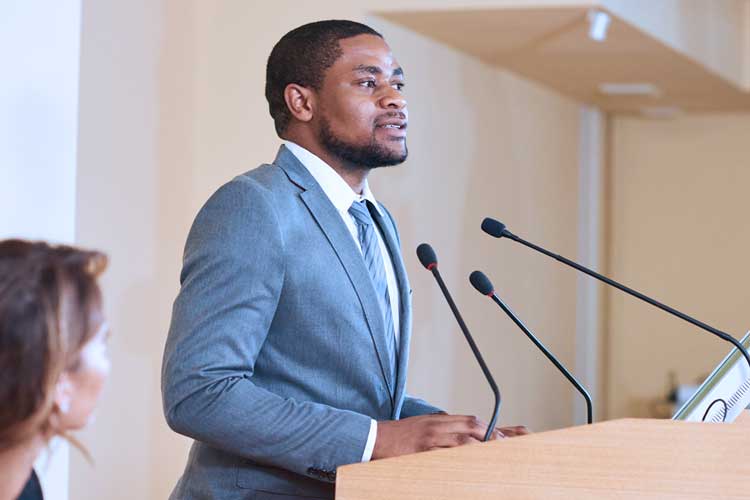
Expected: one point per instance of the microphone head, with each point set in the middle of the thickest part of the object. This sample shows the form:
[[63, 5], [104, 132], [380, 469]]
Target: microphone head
[[493, 227], [482, 283], [427, 256]]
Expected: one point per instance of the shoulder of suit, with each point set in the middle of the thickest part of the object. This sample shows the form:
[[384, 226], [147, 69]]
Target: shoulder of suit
[[267, 180], [266, 175], [258, 187]]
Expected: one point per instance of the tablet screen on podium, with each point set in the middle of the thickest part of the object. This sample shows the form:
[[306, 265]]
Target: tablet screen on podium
[[724, 394]]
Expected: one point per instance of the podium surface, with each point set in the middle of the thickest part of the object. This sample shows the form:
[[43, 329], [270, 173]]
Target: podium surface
[[629, 458]]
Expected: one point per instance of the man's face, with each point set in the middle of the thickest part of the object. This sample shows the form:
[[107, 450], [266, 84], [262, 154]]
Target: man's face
[[362, 115]]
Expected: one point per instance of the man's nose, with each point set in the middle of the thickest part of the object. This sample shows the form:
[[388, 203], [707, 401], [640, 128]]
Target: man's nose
[[393, 99]]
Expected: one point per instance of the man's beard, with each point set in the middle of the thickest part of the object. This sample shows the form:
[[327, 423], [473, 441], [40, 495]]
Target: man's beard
[[358, 156]]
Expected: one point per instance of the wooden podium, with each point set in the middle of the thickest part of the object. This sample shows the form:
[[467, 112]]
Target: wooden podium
[[629, 458]]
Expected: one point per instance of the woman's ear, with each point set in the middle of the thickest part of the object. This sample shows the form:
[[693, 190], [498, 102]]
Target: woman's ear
[[63, 394], [300, 101]]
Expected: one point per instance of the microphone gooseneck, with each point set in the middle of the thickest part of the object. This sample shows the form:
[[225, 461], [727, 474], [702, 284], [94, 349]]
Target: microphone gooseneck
[[428, 259], [498, 230], [484, 286]]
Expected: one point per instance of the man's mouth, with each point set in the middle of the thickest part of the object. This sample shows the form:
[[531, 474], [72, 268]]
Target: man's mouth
[[393, 125], [392, 121]]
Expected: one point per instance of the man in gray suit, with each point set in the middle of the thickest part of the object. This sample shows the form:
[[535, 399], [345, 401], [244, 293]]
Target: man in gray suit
[[289, 341]]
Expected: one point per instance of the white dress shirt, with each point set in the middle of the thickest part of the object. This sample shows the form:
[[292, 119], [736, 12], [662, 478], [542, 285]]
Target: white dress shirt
[[342, 196]]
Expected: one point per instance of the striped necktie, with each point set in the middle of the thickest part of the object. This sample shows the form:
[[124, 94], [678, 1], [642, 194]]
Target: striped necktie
[[368, 240]]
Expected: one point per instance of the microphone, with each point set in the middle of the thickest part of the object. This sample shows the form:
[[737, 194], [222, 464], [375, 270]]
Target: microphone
[[484, 286], [427, 257], [498, 230]]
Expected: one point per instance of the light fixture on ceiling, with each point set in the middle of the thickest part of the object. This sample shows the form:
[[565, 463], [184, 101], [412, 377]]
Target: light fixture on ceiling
[[630, 89], [599, 22]]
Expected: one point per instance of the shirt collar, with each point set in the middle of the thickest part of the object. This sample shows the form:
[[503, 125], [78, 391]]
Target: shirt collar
[[334, 186]]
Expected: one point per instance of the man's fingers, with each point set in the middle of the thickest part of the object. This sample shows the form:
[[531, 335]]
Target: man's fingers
[[463, 439], [451, 419], [456, 430], [460, 424], [469, 432], [516, 430], [453, 440], [425, 432]]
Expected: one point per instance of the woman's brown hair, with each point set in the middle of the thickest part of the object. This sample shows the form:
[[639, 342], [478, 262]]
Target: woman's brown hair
[[50, 306]]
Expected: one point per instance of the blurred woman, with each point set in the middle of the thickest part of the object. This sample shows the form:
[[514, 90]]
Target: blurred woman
[[53, 355]]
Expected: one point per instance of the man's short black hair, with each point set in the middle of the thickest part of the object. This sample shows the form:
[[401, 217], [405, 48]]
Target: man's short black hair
[[302, 56]]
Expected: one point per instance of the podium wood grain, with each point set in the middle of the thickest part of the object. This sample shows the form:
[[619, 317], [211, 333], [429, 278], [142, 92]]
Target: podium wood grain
[[629, 458]]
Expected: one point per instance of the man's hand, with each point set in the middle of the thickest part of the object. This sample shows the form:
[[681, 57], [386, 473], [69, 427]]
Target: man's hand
[[414, 434], [516, 430]]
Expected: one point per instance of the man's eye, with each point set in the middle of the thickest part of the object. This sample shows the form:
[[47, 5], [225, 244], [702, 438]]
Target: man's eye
[[368, 83], [399, 86]]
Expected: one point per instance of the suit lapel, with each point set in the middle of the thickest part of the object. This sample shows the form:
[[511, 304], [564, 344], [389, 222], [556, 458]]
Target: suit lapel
[[329, 221], [388, 233]]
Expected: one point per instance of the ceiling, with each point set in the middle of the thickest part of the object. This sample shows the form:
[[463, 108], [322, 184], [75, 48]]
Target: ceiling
[[552, 46]]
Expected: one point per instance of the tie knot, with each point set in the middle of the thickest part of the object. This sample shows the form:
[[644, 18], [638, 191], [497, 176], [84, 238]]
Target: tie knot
[[361, 214]]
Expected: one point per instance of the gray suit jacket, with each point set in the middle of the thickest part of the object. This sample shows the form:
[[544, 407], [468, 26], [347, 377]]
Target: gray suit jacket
[[276, 359]]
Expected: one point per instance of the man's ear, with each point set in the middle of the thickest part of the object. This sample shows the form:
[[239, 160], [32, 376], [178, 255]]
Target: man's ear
[[300, 101]]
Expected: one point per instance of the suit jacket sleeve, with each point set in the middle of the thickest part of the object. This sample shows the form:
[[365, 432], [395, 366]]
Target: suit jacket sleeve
[[232, 278], [413, 407]]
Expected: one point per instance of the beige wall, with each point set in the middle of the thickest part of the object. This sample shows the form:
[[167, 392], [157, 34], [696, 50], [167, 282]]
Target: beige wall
[[131, 190], [679, 232], [38, 132], [173, 108], [486, 143], [713, 32]]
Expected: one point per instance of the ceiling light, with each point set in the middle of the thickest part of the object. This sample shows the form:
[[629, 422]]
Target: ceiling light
[[630, 89], [598, 24]]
